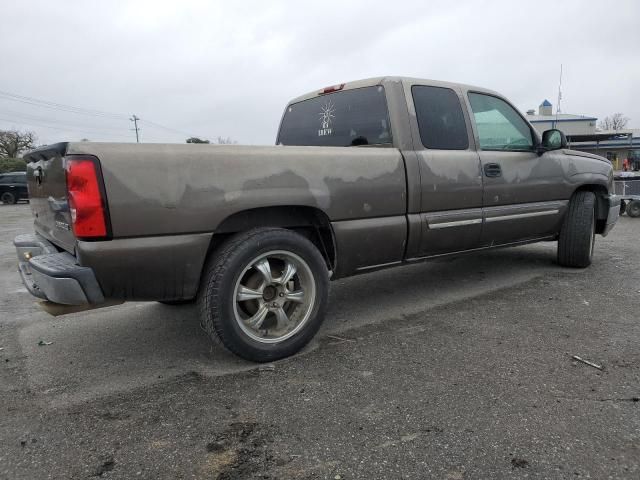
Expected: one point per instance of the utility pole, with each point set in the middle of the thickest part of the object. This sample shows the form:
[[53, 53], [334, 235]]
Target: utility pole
[[135, 119], [558, 109]]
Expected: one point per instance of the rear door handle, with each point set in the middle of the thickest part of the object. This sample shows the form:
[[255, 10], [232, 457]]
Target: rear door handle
[[492, 170]]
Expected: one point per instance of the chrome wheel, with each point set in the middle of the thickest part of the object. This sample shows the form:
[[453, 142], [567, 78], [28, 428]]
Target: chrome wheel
[[274, 296]]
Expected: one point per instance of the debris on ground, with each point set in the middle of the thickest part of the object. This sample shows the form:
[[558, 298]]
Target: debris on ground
[[519, 463], [587, 362], [341, 339], [106, 466], [42, 343], [267, 367]]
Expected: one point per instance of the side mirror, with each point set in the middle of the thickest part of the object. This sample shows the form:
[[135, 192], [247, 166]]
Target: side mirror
[[553, 140]]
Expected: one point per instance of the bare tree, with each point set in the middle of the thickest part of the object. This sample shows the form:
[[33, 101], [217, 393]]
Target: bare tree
[[615, 122], [225, 141], [218, 141], [13, 143]]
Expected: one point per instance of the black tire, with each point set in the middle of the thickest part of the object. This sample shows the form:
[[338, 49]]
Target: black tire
[[633, 208], [577, 236], [623, 207], [9, 198], [224, 272]]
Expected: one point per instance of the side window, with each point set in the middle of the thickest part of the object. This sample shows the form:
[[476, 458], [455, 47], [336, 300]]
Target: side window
[[440, 118], [499, 126]]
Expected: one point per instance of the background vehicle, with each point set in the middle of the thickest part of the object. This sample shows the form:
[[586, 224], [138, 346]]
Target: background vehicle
[[13, 187], [627, 187], [367, 175]]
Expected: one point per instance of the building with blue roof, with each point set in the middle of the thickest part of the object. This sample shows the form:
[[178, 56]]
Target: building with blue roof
[[583, 134]]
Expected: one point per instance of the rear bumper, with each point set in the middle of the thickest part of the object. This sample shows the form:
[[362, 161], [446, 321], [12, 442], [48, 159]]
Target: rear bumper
[[55, 276], [614, 213]]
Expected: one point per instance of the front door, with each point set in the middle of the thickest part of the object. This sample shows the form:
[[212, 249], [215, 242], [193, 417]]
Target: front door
[[523, 190]]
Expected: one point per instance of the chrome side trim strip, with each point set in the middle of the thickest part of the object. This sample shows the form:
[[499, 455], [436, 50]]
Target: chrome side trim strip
[[457, 223], [516, 216], [380, 265]]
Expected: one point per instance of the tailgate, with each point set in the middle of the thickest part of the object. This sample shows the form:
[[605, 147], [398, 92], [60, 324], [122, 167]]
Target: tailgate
[[47, 184]]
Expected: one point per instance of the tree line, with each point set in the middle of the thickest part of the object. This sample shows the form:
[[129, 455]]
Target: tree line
[[13, 143]]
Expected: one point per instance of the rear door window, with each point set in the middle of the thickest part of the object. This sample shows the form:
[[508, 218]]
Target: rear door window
[[440, 118], [346, 118]]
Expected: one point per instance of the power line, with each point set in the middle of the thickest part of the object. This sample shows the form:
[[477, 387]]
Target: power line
[[175, 130], [62, 123], [58, 106], [32, 124], [4, 95]]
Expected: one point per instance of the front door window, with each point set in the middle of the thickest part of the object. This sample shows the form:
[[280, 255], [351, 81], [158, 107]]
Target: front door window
[[499, 126]]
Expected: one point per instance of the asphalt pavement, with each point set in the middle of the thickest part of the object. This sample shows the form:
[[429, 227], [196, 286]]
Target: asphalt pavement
[[455, 369]]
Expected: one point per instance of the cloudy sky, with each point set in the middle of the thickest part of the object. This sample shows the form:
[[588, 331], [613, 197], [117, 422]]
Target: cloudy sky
[[227, 68]]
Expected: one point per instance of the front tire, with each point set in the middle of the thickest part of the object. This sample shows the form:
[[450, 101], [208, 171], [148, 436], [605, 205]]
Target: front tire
[[577, 237], [264, 294], [9, 198]]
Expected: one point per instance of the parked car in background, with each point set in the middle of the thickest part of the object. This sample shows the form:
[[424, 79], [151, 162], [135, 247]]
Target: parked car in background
[[13, 187]]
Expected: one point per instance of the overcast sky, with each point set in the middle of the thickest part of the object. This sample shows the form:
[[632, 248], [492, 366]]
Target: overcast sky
[[227, 68]]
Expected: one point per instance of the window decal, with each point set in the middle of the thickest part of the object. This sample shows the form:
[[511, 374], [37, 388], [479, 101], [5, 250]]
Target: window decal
[[326, 117]]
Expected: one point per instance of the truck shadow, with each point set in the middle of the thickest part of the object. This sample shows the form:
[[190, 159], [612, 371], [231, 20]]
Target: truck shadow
[[118, 348]]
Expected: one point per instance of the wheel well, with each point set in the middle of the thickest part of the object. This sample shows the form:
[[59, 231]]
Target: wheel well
[[311, 222], [602, 205]]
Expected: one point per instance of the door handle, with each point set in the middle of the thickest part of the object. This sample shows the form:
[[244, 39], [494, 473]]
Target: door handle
[[492, 170]]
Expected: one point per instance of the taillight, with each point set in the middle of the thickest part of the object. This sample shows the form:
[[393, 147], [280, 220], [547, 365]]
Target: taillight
[[86, 202]]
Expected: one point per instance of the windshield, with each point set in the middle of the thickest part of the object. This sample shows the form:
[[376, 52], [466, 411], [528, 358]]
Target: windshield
[[342, 119]]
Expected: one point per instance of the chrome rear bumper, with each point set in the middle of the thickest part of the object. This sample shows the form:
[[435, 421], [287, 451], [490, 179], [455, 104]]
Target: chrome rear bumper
[[55, 276]]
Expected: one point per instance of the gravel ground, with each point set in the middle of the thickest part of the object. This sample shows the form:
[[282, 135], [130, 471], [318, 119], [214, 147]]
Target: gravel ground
[[454, 369]]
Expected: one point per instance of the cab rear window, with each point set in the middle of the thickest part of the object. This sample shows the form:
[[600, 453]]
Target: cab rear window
[[346, 118]]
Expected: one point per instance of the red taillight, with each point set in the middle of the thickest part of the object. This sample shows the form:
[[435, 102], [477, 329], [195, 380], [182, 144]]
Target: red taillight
[[333, 88], [85, 198]]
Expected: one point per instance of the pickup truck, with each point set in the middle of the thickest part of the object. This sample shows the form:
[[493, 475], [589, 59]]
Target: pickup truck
[[365, 175]]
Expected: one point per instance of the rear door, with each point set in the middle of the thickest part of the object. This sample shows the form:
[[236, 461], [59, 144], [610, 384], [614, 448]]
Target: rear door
[[523, 191], [451, 184], [48, 195]]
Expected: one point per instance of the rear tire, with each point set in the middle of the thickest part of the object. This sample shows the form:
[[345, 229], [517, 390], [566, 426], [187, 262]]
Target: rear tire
[[264, 294], [633, 208], [9, 198], [577, 237]]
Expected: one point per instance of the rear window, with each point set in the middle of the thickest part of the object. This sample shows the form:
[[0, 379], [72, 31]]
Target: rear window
[[341, 119], [440, 118]]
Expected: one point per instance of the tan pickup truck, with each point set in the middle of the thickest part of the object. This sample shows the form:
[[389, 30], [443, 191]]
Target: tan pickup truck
[[365, 175]]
